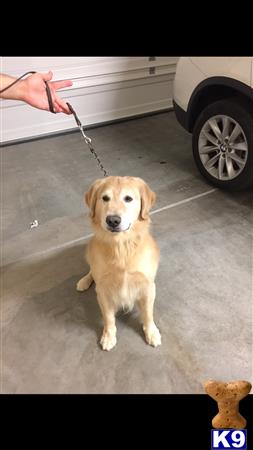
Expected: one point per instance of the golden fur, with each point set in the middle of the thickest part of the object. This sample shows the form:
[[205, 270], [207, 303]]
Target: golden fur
[[123, 260]]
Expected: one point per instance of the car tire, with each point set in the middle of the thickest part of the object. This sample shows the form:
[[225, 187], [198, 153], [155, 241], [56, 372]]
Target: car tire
[[222, 144]]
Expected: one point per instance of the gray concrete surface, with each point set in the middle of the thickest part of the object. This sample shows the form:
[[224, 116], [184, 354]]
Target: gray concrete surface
[[203, 308]]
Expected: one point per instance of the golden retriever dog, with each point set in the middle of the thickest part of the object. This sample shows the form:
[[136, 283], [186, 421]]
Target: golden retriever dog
[[122, 255]]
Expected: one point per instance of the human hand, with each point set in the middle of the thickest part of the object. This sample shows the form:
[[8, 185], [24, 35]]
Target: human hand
[[32, 90]]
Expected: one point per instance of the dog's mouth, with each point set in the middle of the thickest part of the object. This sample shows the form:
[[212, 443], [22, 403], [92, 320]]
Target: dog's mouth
[[118, 229]]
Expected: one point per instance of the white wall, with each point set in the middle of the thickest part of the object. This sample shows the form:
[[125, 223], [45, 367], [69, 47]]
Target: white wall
[[103, 89]]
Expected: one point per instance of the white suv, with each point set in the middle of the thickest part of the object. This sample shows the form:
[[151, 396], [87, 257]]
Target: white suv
[[213, 100]]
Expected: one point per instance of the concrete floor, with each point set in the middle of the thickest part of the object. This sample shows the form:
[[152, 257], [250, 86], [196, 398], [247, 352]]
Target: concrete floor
[[203, 307]]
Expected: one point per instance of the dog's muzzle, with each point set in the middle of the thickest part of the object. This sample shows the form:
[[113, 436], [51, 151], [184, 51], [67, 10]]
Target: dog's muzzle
[[113, 223]]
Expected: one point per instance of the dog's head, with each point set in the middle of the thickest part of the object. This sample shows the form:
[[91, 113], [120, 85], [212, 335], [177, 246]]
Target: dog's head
[[117, 203]]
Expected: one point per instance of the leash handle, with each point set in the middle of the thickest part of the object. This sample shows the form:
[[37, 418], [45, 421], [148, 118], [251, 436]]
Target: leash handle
[[49, 97]]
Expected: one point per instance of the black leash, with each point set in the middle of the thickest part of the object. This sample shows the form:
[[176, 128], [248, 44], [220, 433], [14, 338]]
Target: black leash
[[78, 122]]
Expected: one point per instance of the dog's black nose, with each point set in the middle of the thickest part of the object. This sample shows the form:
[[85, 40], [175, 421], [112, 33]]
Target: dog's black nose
[[113, 221]]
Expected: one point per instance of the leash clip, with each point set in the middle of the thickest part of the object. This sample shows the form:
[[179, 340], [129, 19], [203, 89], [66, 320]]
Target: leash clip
[[86, 138], [80, 126]]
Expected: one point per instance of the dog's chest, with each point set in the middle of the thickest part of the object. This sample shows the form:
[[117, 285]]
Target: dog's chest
[[126, 288], [124, 272]]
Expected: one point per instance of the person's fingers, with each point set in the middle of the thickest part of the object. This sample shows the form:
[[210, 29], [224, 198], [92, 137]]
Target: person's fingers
[[61, 84], [57, 109], [56, 106], [62, 110], [47, 76], [60, 103]]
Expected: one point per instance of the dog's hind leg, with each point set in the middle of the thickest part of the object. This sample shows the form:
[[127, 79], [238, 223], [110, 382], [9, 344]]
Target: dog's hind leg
[[85, 282]]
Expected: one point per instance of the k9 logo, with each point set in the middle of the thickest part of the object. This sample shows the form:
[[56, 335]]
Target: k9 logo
[[225, 439]]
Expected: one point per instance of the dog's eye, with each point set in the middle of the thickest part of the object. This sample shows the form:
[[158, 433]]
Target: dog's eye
[[106, 198], [127, 198]]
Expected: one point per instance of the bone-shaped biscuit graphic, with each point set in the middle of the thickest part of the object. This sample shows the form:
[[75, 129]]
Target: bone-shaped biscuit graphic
[[228, 396]]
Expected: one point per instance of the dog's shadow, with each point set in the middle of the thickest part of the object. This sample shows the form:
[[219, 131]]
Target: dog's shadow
[[93, 316], [64, 305], [130, 320]]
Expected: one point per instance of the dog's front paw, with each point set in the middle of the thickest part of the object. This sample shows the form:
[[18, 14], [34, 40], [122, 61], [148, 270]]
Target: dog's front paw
[[152, 335], [84, 283], [108, 340]]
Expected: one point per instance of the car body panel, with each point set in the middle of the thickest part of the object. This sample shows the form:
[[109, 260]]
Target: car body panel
[[191, 71], [185, 85], [238, 68]]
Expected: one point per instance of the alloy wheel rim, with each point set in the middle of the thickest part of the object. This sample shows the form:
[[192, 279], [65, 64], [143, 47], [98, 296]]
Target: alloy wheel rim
[[223, 147]]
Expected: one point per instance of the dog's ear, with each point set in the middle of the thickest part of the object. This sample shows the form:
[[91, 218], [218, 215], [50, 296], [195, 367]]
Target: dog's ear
[[91, 196], [148, 199]]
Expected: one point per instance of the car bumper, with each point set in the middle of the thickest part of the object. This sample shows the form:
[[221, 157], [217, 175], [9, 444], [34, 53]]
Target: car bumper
[[181, 116]]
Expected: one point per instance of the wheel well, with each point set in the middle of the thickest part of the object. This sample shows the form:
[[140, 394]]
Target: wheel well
[[211, 94]]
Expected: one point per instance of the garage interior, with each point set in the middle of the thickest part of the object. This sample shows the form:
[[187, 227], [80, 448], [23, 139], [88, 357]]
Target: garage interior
[[203, 307]]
